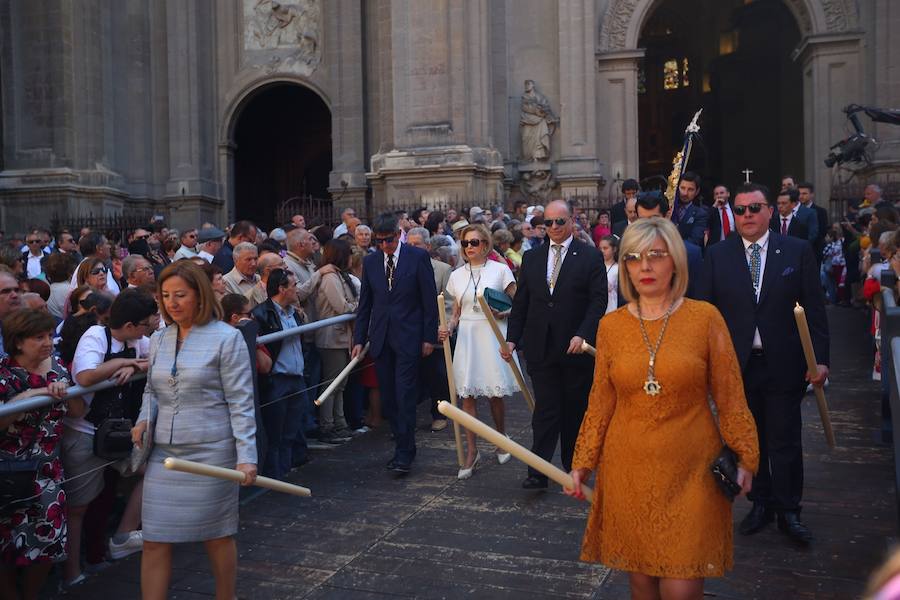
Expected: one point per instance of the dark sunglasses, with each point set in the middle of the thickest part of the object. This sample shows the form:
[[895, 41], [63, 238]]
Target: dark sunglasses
[[33, 242], [754, 208], [473, 243], [98, 271], [142, 237], [560, 222], [385, 240]]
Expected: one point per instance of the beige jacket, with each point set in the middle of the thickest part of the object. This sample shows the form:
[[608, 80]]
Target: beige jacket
[[334, 297]]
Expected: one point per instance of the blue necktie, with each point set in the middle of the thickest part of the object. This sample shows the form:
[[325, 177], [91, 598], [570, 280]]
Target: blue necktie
[[755, 265]]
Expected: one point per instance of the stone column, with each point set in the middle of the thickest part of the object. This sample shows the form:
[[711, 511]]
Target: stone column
[[347, 180], [617, 113], [832, 79], [441, 150], [577, 169]]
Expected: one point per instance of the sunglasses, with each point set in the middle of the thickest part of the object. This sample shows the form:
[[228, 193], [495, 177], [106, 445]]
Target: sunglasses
[[739, 210], [473, 243], [33, 241], [385, 240], [142, 237], [559, 222], [652, 256], [98, 271]]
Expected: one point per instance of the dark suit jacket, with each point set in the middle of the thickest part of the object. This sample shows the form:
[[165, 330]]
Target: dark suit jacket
[[543, 324], [692, 225], [617, 212], [822, 218], [796, 228], [715, 226], [695, 266], [790, 276], [403, 317], [810, 220], [618, 229]]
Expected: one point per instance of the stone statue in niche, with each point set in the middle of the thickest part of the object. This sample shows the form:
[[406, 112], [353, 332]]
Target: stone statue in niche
[[288, 33], [538, 123]]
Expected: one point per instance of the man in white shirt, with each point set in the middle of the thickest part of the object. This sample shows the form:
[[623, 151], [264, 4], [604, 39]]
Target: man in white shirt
[[209, 242], [188, 247], [117, 352], [721, 217], [346, 214], [243, 279], [34, 255]]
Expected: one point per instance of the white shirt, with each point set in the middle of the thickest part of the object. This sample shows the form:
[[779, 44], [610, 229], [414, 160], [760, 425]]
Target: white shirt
[[729, 215], [111, 286], [612, 287], [185, 252], [205, 256], [89, 355], [551, 255], [781, 221], [340, 230], [396, 256], [33, 268], [763, 250]]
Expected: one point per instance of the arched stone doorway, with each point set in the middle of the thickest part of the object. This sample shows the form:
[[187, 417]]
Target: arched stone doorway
[[281, 145], [733, 59]]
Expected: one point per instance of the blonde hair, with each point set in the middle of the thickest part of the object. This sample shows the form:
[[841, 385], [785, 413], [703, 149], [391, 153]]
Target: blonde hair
[[638, 237], [208, 308], [482, 231]]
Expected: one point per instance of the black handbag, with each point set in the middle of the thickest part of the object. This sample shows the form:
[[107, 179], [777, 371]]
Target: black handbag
[[112, 439], [17, 477], [725, 470]]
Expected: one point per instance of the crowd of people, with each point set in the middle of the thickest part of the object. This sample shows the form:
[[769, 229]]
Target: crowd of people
[[681, 302]]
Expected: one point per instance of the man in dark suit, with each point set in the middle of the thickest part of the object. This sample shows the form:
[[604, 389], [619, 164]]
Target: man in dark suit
[[654, 204], [721, 218], [561, 296], [619, 212], [786, 220], [756, 279], [398, 317], [618, 228], [690, 218], [808, 199]]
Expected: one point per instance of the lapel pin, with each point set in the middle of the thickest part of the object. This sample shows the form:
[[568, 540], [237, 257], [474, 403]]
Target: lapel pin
[[778, 251]]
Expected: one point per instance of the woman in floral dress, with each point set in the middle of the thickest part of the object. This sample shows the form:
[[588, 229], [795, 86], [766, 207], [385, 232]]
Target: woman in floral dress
[[32, 530]]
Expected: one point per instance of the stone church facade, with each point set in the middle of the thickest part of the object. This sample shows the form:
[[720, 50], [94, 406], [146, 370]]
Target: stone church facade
[[133, 105]]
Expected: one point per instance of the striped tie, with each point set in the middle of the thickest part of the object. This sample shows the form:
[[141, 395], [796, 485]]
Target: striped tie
[[557, 261]]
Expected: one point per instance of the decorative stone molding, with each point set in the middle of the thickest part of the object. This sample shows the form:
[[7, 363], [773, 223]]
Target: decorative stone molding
[[614, 31], [283, 37]]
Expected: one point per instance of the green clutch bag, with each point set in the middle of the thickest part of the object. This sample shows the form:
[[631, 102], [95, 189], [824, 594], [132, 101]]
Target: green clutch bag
[[497, 300]]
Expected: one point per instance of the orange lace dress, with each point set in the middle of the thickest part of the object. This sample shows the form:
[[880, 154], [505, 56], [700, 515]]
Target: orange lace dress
[[656, 508]]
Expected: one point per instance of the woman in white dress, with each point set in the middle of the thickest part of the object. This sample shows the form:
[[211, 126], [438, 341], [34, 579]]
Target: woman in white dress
[[477, 368], [609, 246]]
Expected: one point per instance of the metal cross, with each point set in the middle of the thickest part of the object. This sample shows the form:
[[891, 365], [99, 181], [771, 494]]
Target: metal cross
[[747, 173]]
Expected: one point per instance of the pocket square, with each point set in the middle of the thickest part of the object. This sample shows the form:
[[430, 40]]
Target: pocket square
[[787, 271]]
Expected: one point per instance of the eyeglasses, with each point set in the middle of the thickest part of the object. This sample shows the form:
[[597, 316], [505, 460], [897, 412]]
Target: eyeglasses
[[559, 222], [142, 237], [98, 271], [192, 235], [385, 240], [473, 243], [32, 241], [652, 256], [740, 209]]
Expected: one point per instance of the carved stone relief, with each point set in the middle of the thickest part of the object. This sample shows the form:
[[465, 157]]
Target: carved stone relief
[[282, 36]]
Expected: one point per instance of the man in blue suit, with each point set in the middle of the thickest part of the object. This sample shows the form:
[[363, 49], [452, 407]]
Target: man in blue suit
[[755, 279], [398, 317], [690, 218], [654, 204], [799, 221]]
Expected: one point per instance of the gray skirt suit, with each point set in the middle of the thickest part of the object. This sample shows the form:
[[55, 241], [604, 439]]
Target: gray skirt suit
[[200, 404]]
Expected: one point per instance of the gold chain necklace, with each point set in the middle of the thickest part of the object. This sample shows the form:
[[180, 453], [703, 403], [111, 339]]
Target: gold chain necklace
[[652, 387]]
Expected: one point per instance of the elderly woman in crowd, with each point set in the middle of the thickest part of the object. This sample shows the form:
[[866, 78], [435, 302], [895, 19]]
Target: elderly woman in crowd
[[199, 394], [33, 525], [337, 294], [649, 432], [92, 272], [475, 371]]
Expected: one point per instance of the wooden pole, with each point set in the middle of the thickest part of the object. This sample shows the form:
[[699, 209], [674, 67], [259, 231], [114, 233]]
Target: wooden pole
[[812, 367], [451, 383], [517, 373], [196, 468], [345, 372], [501, 441], [588, 349]]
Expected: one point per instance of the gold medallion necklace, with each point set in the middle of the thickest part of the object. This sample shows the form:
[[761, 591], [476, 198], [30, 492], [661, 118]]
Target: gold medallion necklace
[[652, 387]]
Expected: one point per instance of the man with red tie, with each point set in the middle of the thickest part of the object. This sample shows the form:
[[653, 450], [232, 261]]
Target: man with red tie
[[787, 219], [721, 218]]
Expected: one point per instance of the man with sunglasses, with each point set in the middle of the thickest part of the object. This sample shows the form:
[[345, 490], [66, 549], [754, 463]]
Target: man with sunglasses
[[755, 279], [397, 315], [188, 248], [35, 253], [561, 296]]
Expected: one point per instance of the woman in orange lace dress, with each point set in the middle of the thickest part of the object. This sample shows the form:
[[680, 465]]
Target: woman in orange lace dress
[[649, 432]]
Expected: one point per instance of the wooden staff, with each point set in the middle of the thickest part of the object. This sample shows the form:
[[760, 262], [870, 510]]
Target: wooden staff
[[517, 373], [588, 349], [342, 375], [196, 468], [448, 360], [812, 367], [501, 441]]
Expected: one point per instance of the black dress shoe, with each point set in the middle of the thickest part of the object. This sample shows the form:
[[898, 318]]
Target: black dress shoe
[[534, 483], [790, 524], [402, 468], [299, 462], [391, 464], [758, 517]]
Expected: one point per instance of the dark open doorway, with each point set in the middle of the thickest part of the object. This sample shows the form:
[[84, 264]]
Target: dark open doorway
[[283, 150], [733, 59]]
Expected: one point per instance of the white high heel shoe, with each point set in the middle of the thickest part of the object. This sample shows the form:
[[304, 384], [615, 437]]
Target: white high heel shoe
[[503, 457], [465, 473]]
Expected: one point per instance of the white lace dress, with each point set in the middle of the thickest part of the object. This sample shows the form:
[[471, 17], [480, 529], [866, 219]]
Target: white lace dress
[[478, 368]]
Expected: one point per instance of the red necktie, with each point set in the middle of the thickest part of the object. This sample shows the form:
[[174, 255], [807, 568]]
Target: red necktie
[[783, 225], [726, 224]]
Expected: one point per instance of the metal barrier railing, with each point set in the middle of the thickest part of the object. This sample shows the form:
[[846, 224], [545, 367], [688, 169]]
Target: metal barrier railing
[[35, 402]]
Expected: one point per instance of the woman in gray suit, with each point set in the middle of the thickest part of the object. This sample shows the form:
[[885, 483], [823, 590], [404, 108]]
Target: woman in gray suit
[[199, 395]]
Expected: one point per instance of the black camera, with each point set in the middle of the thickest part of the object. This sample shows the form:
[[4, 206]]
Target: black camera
[[852, 149]]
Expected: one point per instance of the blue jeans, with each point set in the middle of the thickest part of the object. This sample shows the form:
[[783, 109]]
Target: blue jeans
[[282, 412]]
